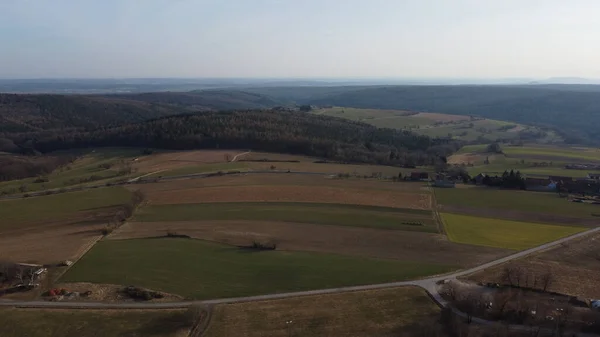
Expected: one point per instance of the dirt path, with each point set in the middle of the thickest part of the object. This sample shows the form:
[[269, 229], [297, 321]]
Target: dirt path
[[238, 155]]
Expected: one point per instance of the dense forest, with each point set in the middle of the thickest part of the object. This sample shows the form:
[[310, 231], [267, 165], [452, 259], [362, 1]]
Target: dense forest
[[32, 113], [572, 110], [266, 130]]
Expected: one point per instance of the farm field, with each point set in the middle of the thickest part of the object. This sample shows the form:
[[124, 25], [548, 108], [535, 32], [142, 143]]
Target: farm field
[[438, 125], [208, 270], [387, 312], [511, 204], [502, 233], [57, 227], [92, 323], [167, 161], [526, 159], [284, 179], [98, 166], [573, 268], [326, 214], [179, 192], [344, 240], [69, 207]]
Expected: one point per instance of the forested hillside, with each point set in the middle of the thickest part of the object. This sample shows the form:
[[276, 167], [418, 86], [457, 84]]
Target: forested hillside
[[288, 132], [24, 113], [205, 99]]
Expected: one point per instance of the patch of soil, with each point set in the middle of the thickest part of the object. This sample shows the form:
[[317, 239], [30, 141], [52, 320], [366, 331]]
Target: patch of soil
[[109, 293], [316, 194], [394, 244]]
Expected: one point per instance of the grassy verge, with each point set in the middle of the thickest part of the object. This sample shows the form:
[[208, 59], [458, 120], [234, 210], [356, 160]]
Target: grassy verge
[[326, 214], [17, 212], [387, 312], [502, 233], [92, 323], [203, 270]]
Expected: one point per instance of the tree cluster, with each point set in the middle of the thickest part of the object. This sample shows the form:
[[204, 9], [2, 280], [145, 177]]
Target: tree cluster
[[510, 179]]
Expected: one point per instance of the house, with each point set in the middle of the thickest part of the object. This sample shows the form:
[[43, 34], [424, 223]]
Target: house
[[594, 176], [539, 184], [416, 176]]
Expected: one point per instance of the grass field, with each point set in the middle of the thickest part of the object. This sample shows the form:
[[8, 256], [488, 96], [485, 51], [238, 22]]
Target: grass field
[[27, 212], [86, 166], [326, 214], [531, 202], [388, 312], [93, 323], [502, 233], [203, 270]]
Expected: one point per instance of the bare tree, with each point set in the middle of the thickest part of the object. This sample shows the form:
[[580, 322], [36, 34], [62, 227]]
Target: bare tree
[[227, 157], [547, 278]]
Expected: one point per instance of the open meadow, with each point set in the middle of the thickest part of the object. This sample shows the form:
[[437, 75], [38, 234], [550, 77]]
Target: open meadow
[[387, 312], [56, 227], [499, 233], [93, 323], [204, 270], [90, 166]]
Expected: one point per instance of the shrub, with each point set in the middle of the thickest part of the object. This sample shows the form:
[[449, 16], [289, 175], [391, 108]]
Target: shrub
[[42, 179], [107, 230]]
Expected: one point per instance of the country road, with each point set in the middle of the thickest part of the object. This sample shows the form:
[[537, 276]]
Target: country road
[[239, 154], [429, 284]]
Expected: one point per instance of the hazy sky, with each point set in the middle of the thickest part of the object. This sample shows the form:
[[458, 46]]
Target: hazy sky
[[299, 38]]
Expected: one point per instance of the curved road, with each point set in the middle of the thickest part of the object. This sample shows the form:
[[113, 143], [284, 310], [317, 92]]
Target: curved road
[[429, 284]]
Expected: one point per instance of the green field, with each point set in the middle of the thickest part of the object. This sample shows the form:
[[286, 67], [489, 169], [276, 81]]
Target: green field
[[203, 270], [325, 214], [93, 323], [204, 168], [502, 233], [87, 165], [534, 202], [562, 153], [16, 212]]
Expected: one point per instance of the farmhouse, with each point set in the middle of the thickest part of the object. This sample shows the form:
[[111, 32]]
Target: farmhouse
[[594, 176], [479, 178], [538, 184]]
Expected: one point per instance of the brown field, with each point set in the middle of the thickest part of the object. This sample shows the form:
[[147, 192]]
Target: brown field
[[521, 216], [282, 179], [174, 160], [291, 193], [408, 246], [387, 312], [48, 244], [438, 117], [574, 268]]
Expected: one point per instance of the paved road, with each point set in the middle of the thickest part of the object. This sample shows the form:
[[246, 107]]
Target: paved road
[[429, 284]]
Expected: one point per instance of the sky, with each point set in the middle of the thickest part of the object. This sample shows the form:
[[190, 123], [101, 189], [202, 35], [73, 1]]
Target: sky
[[299, 38]]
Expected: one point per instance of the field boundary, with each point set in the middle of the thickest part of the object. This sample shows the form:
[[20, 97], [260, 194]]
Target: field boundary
[[436, 214]]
